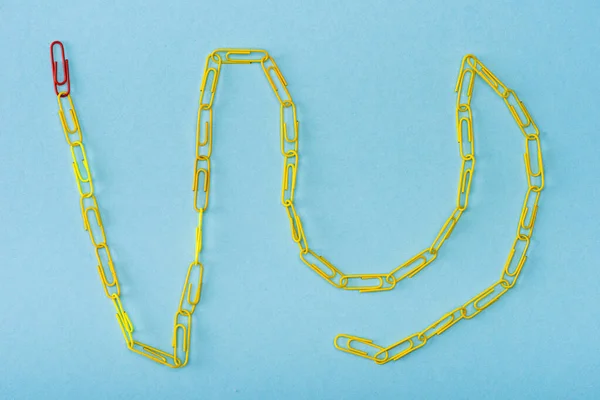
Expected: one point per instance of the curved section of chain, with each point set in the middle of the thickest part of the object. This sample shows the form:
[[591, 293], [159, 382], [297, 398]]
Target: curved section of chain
[[92, 219], [517, 256], [289, 128]]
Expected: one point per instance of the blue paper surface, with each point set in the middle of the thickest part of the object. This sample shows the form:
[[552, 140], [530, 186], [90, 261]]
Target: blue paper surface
[[374, 87]]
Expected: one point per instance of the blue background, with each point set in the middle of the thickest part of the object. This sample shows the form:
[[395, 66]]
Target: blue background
[[373, 82]]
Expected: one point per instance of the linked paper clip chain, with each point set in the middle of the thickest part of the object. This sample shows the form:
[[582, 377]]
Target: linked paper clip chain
[[517, 256], [92, 223], [289, 149]]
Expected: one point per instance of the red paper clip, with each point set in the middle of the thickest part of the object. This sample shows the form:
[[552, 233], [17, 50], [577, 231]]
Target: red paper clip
[[65, 63]]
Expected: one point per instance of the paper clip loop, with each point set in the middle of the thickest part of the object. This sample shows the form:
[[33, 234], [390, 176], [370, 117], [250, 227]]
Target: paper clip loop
[[154, 354], [190, 297], [361, 353], [65, 65], [182, 346], [241, 56], [365, 283]]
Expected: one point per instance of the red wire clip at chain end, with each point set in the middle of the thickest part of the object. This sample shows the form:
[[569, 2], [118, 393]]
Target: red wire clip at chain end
[[65, 63]]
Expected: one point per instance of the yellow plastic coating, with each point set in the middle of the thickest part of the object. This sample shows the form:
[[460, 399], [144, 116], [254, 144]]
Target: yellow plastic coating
[[348, 348], [111, 287], [368, 282], [204, 132], [63, 119], [239, 56], [202, 173]]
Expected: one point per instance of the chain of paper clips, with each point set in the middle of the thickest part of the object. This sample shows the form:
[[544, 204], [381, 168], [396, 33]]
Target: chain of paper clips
[[517, 256], [289, 149], [92, 223]]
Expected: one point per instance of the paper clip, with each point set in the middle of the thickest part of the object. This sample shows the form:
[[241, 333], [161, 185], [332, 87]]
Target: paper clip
[[65, 64], [241, 56], [361, 353], [365, 283], [153, 353]]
